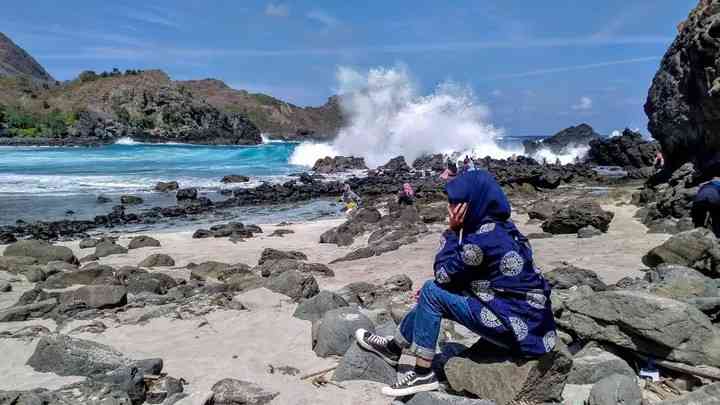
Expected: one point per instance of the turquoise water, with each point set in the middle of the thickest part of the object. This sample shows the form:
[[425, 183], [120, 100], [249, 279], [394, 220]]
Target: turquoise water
[[43, 183]]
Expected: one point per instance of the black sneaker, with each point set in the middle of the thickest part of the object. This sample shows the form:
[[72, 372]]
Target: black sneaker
[[412, 383], [376, 344]]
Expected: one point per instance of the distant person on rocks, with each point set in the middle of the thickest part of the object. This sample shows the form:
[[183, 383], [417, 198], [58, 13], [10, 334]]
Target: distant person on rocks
[[350, 199], [485, 279], [705, 211], [451, 171], [558, 162], [659, 162], [406, 195]]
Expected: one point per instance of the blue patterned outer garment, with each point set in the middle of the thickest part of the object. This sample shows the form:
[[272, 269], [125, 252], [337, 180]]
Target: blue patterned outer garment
[[492, 263]]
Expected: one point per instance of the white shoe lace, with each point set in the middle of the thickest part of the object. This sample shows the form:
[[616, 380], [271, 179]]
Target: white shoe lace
[[378, 340], [405, 379]]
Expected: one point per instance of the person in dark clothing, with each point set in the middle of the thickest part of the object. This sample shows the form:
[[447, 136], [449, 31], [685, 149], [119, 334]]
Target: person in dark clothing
[[705, 210], [485, 279]]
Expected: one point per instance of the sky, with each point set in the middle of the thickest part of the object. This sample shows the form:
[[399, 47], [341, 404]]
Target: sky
[[538, 66]]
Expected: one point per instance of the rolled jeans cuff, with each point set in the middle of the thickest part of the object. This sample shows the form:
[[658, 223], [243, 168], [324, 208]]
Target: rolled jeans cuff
[[419, 351]]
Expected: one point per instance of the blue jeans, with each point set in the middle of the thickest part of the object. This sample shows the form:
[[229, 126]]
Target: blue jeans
[[420, 328]]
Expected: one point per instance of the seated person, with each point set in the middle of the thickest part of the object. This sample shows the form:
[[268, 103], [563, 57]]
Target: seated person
[[485, 279], [705, 211], [350, 199], [406, 195]]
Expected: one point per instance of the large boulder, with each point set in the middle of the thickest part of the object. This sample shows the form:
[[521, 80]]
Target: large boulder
[[186, 194], [43, 251], [504, 379], [683, 102], [680, 283], [359, 364], [577, 215], [563, 141], [335, 331], [697, 248], [230, 391], [592, 364], [84, 276], [395, 165], [274, 254], [157, 260], [314, 308], [570, 276], [627, 150], [616, 389], [28, 311], [338, 164], [442, 398], [294, 284], [165, 187], [217, 270], [105, 249], [143, 241], [235, 178], [646, 323], [93, 297], [68, 356]]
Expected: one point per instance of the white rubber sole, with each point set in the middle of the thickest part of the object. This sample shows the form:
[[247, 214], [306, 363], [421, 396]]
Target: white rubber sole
[[359, 335], [391, 392]]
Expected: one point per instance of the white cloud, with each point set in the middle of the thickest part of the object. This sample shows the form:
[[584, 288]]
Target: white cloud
[[277, 10], [497, 93], [323, 18], [584, 104]]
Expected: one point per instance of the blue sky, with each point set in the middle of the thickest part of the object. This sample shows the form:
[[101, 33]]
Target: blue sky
[[539, 66]]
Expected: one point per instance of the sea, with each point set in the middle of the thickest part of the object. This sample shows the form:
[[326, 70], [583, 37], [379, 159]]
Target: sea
[[54, 183]]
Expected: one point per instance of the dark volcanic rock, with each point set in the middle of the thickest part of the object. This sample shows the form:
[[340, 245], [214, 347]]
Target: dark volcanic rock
[[435, 163], [93, 297], [237, 392], [187, 194], [359, 364], [627, 150], [567, 138], [578, 214], [69, 356], [15, 62], [395, 165], [697, 248], [43, 251], [235, 178], [339, 164], [6, 238], [336, 331], [571, 276], [650, 324], [130, 200], [682, 105], [105, 249], [616, 389], [503, 379], [143, 241], [165, 187], [314, 308], [157, 260], [274, 254], [294, 284]]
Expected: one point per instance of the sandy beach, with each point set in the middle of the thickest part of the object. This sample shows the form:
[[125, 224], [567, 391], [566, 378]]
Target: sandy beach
[[249, 344]]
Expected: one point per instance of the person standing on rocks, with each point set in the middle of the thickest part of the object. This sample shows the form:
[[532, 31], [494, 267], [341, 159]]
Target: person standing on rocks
[[485, 279], [451, 171], [705, 211]]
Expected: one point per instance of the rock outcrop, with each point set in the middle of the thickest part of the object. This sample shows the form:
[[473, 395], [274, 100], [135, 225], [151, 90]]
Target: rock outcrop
[[629, 151], [559, 143], [683, 103]]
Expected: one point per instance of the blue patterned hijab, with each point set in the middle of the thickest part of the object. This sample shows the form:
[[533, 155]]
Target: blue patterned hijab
[[486, 199]]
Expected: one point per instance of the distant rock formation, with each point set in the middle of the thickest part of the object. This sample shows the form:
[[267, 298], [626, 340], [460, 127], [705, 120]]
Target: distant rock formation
[[559, 143], [14, 61], [629, 150], [275, 117], [683, 104]]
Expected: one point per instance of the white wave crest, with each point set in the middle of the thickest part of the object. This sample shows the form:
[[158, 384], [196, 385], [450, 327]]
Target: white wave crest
[[389, 117], [127, 141], [569, 155], [307, 153]]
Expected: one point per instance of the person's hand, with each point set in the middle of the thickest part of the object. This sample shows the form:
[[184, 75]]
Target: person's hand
[[457, 216]]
